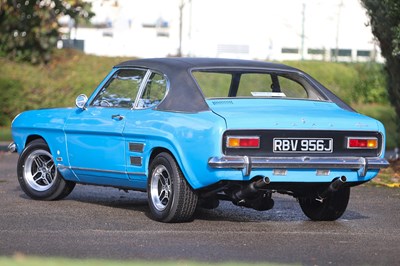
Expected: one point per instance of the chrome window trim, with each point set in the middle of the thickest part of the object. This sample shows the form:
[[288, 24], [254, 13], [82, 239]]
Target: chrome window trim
[[143, 86]]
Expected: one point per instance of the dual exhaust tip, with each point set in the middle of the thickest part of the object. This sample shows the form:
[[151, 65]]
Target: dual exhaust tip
[[333, 187], [262, 182], [252, 188], [251, 195]]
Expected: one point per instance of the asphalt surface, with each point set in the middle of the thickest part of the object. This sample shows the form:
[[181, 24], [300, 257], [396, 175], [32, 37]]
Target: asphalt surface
[[98, 222]]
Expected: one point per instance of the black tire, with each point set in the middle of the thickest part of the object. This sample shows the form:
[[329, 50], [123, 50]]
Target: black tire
[[330, 209], [38, 175], [171, 199]]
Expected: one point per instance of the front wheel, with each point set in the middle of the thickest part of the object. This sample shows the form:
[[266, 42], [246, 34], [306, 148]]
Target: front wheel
[[330, 209], [171, 199], [38, 175]]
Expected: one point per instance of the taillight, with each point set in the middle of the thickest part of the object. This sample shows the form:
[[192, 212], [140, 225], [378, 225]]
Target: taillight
[[362, 143], [243, 142]]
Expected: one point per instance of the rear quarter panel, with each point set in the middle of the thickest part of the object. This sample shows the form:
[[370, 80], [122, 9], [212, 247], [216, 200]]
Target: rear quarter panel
[[191, 138]]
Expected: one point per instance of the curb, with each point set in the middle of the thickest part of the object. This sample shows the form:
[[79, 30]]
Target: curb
[[4, 145], [391, 185]]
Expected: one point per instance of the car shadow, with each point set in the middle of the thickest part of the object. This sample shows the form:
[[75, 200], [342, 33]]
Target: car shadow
[[286, 209], [101, 196], [137, 204]]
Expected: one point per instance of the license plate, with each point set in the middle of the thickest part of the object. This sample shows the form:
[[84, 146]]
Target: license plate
[[299, 145]]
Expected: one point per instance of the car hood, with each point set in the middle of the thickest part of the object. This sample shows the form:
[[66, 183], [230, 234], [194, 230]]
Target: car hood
[[289, 114]]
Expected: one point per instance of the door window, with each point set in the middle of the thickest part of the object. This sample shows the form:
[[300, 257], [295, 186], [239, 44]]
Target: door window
[[121, 90]]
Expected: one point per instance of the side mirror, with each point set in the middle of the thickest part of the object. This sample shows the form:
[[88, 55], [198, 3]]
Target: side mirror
[[81, 101]]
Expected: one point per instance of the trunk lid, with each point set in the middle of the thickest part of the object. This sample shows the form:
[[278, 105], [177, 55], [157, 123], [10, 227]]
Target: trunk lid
[[289, 114]]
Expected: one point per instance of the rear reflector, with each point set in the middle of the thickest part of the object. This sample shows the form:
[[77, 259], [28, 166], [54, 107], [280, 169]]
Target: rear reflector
[[362, 143], [243, 142]]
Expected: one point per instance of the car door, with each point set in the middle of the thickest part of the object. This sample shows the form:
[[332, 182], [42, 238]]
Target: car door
[[95, 143]]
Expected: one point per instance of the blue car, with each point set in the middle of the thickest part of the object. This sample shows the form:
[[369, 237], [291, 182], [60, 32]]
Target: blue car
[[191, 132]]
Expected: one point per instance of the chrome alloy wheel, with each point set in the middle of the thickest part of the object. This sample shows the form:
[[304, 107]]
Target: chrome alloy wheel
[[39, 170], [161, 187]]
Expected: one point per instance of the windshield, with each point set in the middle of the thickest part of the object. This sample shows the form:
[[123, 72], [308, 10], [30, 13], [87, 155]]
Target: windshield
[[255, 84]]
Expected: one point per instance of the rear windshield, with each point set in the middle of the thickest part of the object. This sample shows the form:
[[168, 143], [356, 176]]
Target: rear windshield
[[239, 84]]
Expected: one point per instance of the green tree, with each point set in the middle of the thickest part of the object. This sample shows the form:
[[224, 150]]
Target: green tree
[[29, 29], [384, 18]]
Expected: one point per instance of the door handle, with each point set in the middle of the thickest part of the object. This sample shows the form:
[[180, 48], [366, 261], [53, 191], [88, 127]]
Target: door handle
[[117, 117]]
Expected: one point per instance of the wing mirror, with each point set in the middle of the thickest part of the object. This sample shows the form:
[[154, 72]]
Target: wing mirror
[[81, 101]]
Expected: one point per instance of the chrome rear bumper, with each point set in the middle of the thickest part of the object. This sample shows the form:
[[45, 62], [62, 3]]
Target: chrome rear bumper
[[361, 164]]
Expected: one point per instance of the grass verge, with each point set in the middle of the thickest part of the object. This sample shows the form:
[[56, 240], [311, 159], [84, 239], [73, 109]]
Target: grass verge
[[389, 177], [5, 134], [21, 260]]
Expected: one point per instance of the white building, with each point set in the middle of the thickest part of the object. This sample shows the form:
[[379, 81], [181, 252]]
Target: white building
[[252, 29]]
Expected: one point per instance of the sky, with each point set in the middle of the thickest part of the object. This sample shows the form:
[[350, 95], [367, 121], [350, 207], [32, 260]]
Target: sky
[[260, 23]]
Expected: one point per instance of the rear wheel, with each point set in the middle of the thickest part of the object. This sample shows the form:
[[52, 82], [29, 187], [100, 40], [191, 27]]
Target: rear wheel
[[38, 175], [330, 209], [171, 199]]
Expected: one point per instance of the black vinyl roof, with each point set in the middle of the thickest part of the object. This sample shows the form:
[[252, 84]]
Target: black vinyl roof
[[185, 96], [186, 63]]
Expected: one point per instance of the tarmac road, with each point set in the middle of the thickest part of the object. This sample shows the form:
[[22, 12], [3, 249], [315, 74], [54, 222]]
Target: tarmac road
[[97, 222]]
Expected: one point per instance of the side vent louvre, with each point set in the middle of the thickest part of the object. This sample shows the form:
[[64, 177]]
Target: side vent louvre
[[222, 102], [136, 147]]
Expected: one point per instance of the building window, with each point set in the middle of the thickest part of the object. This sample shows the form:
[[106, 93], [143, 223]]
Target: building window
[[341, 52], [290, 50], [364, 53], [316, 51]]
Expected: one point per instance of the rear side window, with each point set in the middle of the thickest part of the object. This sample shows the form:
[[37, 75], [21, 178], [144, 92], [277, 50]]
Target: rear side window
[[154, 91]]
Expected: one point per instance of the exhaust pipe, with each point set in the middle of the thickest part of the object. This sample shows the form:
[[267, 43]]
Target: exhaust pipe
[[252, 188], [251, 197], [333, 187]]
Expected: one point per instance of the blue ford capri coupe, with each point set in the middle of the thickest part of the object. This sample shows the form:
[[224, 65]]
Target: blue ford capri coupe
[[193, 131]]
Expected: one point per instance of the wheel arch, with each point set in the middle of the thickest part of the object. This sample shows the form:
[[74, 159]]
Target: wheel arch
[[31, 138], [158, 150], [171, 197], [36, 146], [23, 142], [34, 137]]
